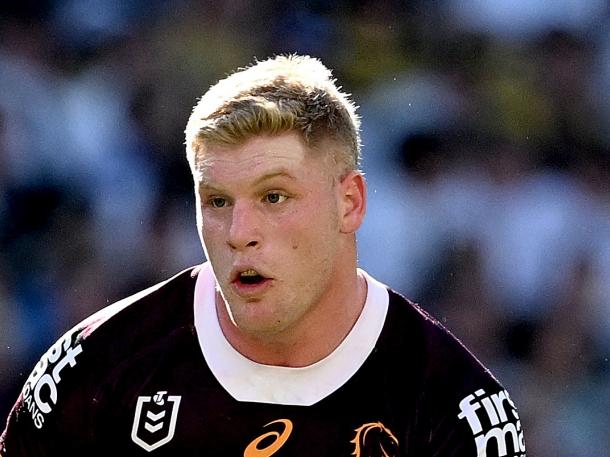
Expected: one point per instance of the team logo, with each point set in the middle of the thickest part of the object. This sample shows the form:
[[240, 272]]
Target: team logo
[[278, 438], [155, 420], [493, 419], [374, 440]]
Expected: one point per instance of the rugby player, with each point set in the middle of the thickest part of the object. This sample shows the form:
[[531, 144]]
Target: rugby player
[[278, 345]]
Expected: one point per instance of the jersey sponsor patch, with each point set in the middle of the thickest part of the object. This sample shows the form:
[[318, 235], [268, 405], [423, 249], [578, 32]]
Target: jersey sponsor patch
[[41, 390], [494, 422], [154, 422]]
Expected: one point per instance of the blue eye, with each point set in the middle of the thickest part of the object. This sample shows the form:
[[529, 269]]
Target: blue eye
[[275, 197]]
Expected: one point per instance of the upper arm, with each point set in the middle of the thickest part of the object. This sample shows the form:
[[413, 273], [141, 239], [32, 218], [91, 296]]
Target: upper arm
[[51, 410], [471, 414], [482, 422]]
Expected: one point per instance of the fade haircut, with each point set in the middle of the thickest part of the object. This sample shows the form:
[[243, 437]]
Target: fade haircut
[[283, 94]]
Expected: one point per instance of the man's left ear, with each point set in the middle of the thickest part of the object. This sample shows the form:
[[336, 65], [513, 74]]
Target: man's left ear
[[353, 201]]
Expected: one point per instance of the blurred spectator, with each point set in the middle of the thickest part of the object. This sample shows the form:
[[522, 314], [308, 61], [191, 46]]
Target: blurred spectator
[[519, 19], [486, 150]]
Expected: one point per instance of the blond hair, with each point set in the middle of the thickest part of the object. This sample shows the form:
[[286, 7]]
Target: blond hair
[[281, 94]]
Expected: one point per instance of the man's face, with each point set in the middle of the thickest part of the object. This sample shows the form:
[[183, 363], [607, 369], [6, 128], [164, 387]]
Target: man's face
[[268, 216]]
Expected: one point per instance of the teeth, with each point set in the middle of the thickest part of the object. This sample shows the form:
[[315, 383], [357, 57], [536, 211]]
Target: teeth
[[249, 272]]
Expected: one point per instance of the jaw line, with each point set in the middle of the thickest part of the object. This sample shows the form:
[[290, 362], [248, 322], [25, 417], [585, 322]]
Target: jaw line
[[221, 301]]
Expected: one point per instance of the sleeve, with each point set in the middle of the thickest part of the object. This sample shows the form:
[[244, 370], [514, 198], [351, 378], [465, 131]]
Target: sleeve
[[468, 413], [50, 415], [482, 423]]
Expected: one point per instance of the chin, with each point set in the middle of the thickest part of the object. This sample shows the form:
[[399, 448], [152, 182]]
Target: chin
[[263, 326], [261, 331]]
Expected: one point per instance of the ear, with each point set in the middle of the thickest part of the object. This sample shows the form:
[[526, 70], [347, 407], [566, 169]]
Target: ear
[[352, 207]]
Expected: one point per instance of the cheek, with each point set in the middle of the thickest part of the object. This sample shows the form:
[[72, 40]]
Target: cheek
[[212, 233], [314, 236]]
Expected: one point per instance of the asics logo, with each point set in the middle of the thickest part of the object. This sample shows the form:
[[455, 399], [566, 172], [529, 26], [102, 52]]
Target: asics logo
[[279, 439]]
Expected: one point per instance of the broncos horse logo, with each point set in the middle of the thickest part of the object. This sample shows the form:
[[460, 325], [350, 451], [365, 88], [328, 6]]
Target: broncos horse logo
[[374, 440]]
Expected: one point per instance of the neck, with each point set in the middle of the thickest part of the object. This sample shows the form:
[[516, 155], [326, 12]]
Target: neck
[[316, 336]]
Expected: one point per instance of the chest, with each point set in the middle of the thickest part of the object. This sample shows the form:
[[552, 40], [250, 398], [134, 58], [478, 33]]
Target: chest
[[176, 406]]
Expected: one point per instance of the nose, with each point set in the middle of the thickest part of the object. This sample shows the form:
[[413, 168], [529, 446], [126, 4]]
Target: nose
[[245, 227]]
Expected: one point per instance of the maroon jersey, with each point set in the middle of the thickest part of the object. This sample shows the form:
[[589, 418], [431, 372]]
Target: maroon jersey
[[152, 375]]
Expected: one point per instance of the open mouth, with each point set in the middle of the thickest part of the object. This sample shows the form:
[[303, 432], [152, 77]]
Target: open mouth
[[250, 277]]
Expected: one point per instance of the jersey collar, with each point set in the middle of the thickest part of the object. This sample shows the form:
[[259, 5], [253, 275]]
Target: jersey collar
[[246, 380]]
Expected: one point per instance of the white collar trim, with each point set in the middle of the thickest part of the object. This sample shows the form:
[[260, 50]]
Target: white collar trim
[[246, 380]]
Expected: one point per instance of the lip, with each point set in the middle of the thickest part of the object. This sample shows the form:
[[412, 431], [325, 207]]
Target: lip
[[249, 290], [240, 267]]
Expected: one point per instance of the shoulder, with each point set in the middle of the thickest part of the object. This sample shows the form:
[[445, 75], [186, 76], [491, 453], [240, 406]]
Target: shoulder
[[447, 370], [465, 404], [133, 322], [62, 385], [146, 314], [125, 326], [438, 351]]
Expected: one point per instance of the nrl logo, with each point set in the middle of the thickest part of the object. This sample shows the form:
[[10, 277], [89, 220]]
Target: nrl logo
[[155, 420]]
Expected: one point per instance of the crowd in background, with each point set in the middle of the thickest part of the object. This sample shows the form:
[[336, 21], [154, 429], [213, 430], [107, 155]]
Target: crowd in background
[[486, 148]]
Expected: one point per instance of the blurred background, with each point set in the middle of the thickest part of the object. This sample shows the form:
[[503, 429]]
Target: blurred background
[[486, 144]]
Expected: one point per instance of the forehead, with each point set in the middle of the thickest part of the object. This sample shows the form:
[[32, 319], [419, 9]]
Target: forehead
[[261, 156]]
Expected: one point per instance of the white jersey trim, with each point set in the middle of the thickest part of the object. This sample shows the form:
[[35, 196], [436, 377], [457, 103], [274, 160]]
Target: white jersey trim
[[246, 380]]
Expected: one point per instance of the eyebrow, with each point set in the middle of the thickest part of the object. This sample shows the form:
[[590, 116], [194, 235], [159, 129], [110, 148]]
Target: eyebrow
[[280, 173]]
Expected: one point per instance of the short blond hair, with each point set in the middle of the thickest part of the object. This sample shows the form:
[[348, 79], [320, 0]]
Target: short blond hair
[[281, 94]]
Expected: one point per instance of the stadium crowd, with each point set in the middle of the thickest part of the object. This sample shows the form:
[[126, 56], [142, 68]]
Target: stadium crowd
[[485, 131]]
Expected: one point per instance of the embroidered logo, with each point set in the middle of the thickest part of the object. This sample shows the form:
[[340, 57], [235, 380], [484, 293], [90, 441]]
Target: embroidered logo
[[490, 421], [154, 422], [279, 439], [374, 439]]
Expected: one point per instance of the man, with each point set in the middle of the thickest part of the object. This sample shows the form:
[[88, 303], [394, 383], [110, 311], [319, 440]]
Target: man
[[279, 345]]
